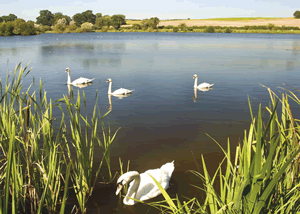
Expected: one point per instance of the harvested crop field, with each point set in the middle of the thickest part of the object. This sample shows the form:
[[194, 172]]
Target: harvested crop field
[[234, 22]]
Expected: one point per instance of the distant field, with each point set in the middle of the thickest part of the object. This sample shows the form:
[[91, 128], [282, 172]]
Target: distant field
[[230, 22], [234, 22], [130, 22], [244, 18]]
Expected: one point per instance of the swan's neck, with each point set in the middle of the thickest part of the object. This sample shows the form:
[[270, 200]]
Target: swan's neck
[[109, 87], [196, 82], [109, 100], [69, 78], [132, 190]]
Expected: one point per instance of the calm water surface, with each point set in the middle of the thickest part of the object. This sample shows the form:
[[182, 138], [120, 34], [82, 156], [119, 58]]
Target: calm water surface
[[163, 120]]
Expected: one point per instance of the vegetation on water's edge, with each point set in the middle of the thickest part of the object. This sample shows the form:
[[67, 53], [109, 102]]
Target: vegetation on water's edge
[[89, 22], [41, 164], [183, 28], [262, 177]]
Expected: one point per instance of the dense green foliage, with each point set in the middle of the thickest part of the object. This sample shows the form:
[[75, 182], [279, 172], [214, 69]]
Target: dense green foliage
[[10, 17], [17, 27], [210, 29], [42, 162], [117, 21], [83, 17], [297, 14], [45, 18]]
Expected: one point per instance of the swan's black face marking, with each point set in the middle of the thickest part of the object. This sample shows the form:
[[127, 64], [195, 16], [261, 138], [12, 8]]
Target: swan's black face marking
[[195, 76], [108, 80], [67, 70]]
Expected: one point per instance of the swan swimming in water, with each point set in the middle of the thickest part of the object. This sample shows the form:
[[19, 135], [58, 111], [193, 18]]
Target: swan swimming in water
[[142, 187], [118, 91], [78, 81], [202, 85]]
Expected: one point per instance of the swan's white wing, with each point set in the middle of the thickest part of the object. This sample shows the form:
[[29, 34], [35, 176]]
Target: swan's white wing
[[205, 85], [82, 80], [148, 189], [122, 91]]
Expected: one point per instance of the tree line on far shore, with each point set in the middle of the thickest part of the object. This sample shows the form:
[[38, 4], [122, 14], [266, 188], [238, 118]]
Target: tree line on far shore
[[87, 21]]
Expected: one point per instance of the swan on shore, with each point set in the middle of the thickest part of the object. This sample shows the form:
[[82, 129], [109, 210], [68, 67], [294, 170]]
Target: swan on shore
[[202, 85], [78, 81], [141, 186], [118, 91]]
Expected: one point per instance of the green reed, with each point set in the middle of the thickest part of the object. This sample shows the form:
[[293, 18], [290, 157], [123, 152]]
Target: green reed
[[262, 177], [36, 158]]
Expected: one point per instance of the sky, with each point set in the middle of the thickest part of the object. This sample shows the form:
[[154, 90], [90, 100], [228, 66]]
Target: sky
[[163, 9]]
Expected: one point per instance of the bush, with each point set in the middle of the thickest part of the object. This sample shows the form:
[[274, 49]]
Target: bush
[[87, 27], [210, 29], [104, 29], [175, 29], [228, 30], [136, 27], [182, 27], [45, 28], [59, 28]]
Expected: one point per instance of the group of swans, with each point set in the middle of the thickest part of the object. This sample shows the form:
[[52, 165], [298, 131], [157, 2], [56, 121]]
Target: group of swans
[[141, 186], [83, 82]]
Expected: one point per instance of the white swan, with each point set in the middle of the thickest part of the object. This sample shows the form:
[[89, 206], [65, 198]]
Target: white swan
[[78, 81], [118, 91], [142, 187], [202, 85]]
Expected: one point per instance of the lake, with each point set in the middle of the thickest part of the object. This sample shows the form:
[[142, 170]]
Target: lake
[[164, 119]]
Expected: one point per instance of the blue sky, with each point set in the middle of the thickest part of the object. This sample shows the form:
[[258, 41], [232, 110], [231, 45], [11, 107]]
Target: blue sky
[[163, 9]]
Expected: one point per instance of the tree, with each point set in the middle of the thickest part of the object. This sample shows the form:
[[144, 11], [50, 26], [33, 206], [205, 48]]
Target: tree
[[103, 21], [10, 17], [19, 26], [6, 29], [79, 19], [154, 21], [89, 16], [145, 24], [98, 15], [297, 14], [210, 29], [60, 25], [45, 18], [182, 27], [59, 15], [28, 29], [117, 21]]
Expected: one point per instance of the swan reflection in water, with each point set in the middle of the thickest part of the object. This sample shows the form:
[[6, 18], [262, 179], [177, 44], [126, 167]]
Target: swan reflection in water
[[120, 96], [70, 89], [200, 89]]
